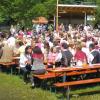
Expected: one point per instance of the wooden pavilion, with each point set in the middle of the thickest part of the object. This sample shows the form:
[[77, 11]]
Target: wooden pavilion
[[75, 14]]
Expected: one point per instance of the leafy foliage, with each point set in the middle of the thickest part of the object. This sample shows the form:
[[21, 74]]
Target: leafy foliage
[[19, 10], [23, 11], [97, 15]]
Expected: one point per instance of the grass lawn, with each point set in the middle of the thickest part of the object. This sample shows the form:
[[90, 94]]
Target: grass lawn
[[13, 88]]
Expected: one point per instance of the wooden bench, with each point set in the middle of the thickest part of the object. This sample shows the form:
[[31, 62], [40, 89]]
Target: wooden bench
[[60, 74], [16, 59], [7, 65], [81, 72], [73, 83], [49, 75], [53, 76]]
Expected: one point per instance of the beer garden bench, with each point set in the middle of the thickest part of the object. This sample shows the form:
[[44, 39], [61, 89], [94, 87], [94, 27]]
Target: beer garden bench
[[53, 76], [8, 65], [67, 85]]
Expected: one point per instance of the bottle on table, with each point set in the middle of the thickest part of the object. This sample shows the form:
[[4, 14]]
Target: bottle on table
[[73, 62]]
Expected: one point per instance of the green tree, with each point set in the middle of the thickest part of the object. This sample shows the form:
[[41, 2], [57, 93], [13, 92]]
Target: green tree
[[97, 15], [23, 11]]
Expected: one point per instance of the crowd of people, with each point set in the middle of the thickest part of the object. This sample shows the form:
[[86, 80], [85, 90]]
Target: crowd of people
[[42, 47]]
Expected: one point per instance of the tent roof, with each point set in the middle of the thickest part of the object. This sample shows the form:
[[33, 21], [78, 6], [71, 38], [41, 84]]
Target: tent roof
[[41, 20]]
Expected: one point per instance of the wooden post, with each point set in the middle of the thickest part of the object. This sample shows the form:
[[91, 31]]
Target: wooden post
[[85, 18], [57, 16], [68, 93], [54, 22]]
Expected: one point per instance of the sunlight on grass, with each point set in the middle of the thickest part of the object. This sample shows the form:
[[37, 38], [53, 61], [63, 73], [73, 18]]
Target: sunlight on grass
[[13, 88]]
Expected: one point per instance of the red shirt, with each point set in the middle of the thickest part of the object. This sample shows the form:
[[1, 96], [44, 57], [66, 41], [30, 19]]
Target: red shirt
[[80, 55], [39, 56]]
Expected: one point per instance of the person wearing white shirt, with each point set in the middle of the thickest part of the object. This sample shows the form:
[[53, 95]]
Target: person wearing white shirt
[[25, 59], [11, 41]]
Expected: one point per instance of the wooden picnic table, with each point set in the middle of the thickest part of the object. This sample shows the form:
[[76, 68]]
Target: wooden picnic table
[[8, 65], [72, 71], [68, 71], [16, 59]]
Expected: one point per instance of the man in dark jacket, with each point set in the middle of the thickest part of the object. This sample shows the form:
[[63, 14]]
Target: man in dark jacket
[[66, 55], [94, 54]]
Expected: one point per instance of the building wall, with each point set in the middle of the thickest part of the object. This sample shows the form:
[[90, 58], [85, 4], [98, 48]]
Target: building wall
[[72, 18], [71, 21]]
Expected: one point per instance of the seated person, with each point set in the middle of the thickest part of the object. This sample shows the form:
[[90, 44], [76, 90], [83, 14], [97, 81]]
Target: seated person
[[25, 59], [21, 48], [94, 56], [38, 67], [54, 57], [6, 53], [80, 56], [66, 55]]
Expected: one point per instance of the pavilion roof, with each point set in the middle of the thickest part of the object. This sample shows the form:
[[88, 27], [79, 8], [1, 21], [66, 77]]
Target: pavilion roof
[[89, 9]]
